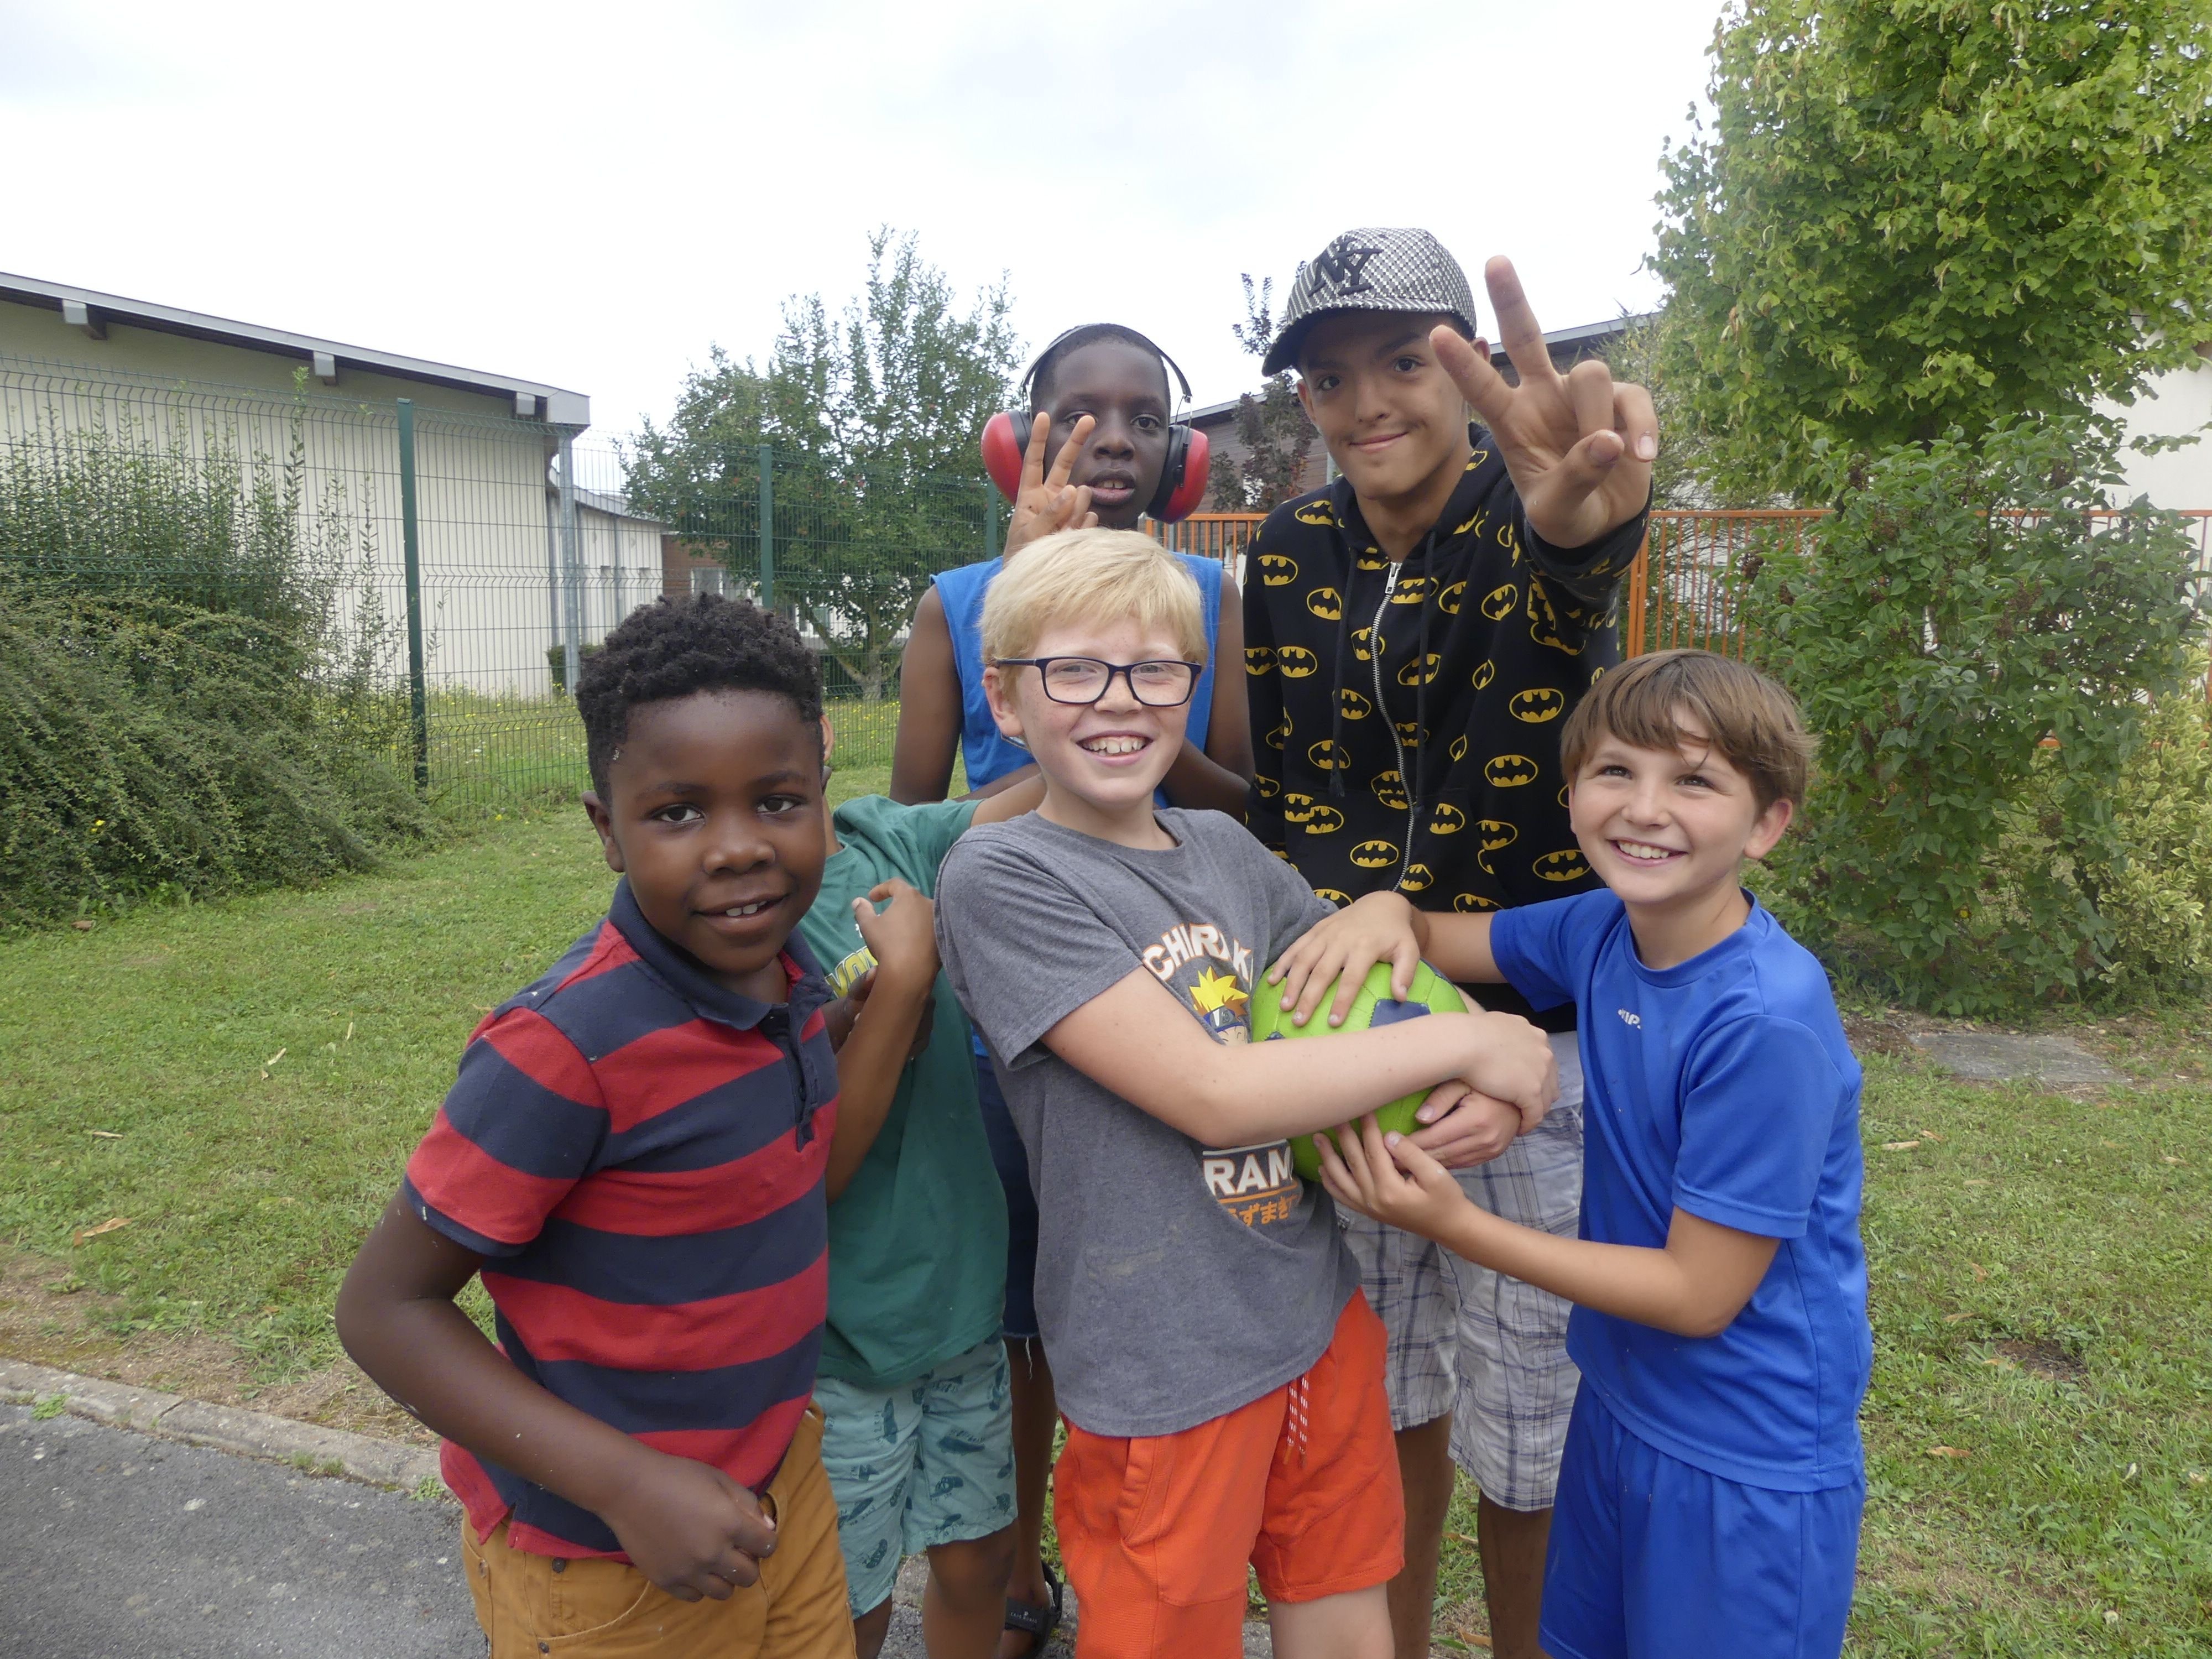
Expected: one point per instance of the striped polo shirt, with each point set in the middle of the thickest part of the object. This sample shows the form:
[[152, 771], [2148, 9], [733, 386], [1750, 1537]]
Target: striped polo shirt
[[639, 1151]]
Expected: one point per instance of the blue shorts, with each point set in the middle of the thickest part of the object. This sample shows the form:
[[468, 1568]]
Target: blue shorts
[[1652, 1557], [1020, 1323], [928, 1462]]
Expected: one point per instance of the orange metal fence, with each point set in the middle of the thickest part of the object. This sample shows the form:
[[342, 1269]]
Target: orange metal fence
[[1223, 535], [1683, 589]]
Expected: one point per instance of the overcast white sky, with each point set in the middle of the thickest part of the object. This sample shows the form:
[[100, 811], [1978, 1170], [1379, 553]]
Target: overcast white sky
[[589, 195]]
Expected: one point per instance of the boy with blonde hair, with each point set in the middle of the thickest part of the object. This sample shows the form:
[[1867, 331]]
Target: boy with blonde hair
[[1220, 1373], [1710, 1489]]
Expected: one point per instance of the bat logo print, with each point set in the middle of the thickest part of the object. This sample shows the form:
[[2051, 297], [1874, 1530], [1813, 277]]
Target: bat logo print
[[1325, 821], [1375, 854], [1447, 820], [1259, 659], [1419, 673], [1537, 705], [1510, 771], [1418, 879], [1497, 603], [1297, 662], [1390, 788], [1565, 865], [1468, 904], [1328, 757], [1325, 603], [1449, 600], [1355, 707], [1277, 570]]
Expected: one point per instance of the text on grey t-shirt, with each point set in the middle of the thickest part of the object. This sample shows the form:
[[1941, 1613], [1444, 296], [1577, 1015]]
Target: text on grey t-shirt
[[1174, 1282]]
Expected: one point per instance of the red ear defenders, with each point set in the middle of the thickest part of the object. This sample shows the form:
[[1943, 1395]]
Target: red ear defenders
[[1183, 479]]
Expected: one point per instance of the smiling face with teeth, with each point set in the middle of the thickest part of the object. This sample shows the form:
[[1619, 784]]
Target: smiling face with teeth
[[714, 811], [1101, 763], [1669, 830]]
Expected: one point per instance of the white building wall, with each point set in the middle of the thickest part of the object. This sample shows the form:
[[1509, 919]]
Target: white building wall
[[482, 481], [2179, 401]]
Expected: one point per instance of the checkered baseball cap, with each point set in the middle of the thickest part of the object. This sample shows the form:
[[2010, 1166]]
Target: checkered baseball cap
[[1372, 270]]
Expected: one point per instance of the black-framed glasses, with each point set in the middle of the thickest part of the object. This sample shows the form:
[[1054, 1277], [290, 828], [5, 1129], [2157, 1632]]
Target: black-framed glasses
[[1163, 684]]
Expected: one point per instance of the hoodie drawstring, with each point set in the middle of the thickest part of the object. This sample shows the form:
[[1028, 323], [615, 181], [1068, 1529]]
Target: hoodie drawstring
[[1420, 698], [1336, 754]]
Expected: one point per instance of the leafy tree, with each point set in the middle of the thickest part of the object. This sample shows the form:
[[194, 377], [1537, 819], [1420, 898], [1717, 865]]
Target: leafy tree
[[1920, 215], [689, 468], [1681, 477], [1271, 424], [1977, 646], [873, 416]]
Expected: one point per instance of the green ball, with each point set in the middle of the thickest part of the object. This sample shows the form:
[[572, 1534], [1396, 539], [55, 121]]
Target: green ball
[[1431, 993]]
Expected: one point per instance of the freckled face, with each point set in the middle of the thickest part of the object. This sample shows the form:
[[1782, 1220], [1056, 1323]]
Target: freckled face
[[713, 811]]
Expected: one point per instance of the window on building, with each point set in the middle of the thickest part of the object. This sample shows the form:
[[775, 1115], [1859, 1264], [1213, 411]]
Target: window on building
[[709, 579]]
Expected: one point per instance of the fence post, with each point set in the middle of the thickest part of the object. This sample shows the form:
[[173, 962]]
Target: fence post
[[990, 520], [418, 712], [768, 527], [572, 569]]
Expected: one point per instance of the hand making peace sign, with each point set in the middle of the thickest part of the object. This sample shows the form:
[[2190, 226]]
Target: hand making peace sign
[[1047, 502], [1578, 447]]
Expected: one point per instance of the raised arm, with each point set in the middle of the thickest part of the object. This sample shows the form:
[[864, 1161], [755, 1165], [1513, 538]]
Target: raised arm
[[686, 1525], [929, 709], [1137, 1040], [892, 1026]]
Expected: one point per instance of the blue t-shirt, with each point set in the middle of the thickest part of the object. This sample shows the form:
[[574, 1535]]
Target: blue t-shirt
[[1722, 1086], [989, 757]]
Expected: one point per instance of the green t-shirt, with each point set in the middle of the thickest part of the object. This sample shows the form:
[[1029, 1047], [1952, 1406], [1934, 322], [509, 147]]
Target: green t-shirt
[[918, 1241]]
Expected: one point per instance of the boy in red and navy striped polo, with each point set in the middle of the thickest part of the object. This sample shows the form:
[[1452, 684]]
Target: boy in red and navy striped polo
[[632, 1156]]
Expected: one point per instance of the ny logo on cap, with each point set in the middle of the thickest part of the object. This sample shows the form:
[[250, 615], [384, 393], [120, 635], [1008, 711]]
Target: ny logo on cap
[[1342, 266]]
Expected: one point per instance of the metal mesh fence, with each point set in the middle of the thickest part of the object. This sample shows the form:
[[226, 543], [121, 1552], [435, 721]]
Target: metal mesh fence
[[463, 563]]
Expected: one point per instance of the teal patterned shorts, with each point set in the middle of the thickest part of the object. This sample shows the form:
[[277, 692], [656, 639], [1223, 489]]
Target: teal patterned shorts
[[930, 1461]]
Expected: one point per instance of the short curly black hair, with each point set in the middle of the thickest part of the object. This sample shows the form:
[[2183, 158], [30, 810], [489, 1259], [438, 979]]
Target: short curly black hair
[[675, 647]]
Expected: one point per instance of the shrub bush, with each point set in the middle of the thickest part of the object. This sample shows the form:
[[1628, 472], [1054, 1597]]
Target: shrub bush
[[197, 684], [2152, 886], [1961, 606]]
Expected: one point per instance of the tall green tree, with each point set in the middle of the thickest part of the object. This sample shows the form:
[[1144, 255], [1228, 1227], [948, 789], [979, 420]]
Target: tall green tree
[[1917, 216], [872, 414], [1271, 424]]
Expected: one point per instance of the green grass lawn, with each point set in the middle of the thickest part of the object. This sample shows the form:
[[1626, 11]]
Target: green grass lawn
[[243, 1083]]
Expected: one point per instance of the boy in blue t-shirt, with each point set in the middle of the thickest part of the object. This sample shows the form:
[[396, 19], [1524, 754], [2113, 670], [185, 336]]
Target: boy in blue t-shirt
[[1709, 1500]]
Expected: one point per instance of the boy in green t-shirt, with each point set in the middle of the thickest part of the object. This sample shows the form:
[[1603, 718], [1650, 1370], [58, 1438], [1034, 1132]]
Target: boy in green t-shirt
[[918, 1438]]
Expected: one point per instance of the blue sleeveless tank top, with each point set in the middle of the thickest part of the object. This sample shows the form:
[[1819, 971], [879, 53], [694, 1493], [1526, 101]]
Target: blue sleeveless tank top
[[989, 756]]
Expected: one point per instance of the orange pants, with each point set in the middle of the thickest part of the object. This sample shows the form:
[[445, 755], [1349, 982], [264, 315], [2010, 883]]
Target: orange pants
[[1302, 1483], [596, 1608]]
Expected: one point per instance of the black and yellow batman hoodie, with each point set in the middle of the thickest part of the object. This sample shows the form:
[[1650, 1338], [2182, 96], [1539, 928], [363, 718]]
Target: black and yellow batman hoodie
[[1406, 716]]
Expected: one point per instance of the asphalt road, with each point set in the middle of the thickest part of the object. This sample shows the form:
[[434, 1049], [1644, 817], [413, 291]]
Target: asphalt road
[[115, 1544]]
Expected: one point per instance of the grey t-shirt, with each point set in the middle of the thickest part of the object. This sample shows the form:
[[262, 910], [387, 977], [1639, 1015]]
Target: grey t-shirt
[[1174, 1282]]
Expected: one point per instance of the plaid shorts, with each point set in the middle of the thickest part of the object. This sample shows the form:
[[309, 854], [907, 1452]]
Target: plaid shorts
[[1488, 1349]]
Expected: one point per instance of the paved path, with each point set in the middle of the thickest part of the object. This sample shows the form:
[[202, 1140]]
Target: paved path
[[118, 1546]]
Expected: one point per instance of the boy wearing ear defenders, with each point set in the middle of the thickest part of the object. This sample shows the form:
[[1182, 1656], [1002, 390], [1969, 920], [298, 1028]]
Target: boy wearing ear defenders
[[1416, 634], [1102, 447]]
